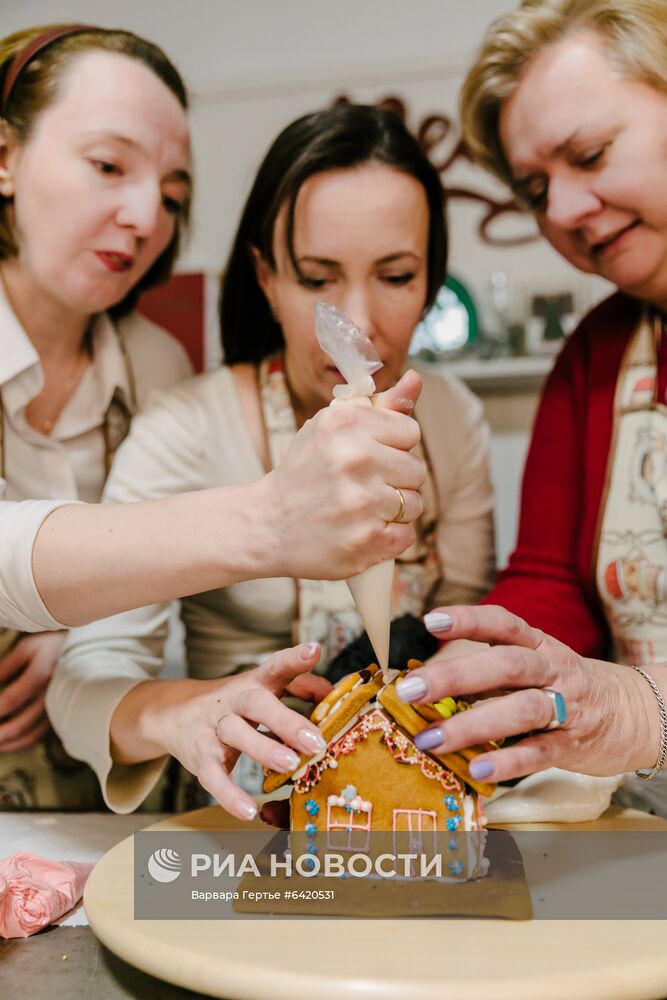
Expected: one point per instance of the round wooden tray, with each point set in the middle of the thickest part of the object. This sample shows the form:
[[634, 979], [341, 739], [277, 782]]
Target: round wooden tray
[[432, 959]]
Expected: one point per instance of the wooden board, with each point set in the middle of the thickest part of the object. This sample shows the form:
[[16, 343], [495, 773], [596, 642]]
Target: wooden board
[[431, 959]]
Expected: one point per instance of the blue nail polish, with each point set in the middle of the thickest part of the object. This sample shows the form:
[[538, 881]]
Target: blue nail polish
[[480, 769], [429, 739]]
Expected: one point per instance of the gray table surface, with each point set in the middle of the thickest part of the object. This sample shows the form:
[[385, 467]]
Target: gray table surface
[[35, 967]]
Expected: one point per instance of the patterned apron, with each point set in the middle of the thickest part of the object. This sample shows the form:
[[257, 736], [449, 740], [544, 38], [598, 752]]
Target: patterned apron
[[631, 558], [326, 612], [44, 776]]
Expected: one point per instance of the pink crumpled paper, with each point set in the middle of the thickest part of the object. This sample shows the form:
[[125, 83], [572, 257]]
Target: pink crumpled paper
[[35, 891]]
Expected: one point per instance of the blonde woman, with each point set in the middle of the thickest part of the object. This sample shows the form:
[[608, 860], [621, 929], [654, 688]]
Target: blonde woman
[[567, 103]]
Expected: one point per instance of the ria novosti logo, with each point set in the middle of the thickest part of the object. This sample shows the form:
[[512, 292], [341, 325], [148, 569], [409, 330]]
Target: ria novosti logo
[[165, 865]]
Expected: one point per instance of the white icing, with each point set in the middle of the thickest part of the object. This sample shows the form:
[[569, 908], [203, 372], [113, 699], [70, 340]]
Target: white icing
[[477, 863], [468, 813], [357, 803]]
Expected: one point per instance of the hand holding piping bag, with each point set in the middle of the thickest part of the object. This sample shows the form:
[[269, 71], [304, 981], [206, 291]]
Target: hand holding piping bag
[[356, 359]]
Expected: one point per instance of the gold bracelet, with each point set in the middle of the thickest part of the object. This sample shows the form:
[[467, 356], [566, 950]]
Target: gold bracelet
[[662, 752]]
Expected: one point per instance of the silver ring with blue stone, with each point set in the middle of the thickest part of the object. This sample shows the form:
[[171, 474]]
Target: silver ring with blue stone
[[559, 709]]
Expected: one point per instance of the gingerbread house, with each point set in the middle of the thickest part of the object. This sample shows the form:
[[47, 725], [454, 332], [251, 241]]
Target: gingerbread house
[[372, 778]]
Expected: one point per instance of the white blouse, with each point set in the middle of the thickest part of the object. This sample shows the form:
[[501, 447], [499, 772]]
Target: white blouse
[[44, 472]]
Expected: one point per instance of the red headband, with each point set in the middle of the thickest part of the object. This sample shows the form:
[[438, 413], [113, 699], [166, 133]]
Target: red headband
[[23, 57]]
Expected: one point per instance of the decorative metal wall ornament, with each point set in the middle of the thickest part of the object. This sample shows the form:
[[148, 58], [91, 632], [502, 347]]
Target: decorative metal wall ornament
[[434, 131]]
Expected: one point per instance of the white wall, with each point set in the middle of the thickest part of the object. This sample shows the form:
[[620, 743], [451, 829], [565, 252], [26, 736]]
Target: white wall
[[243, 41]]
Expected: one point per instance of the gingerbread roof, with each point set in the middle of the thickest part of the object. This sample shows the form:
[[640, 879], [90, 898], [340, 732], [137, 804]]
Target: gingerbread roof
[[340, 710]]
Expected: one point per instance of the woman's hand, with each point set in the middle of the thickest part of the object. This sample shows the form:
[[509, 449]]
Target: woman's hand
[[326, 512], [207, 724], [612, 720], [330, 504], [26, 671]]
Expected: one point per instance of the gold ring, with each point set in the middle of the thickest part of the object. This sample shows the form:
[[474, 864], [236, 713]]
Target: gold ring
[[401, 509]]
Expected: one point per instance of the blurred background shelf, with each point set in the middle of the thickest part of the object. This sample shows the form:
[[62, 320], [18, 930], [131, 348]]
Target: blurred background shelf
[[496, 376]]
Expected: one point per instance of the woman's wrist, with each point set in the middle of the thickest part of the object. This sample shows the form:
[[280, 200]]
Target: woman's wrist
[[139, 728], [645, 720], [651, 724], [249, 542], [130, 555]]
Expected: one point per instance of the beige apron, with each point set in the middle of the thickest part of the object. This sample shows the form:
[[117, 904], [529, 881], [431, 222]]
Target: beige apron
[[44, 776], [326, 612], [631, 561]]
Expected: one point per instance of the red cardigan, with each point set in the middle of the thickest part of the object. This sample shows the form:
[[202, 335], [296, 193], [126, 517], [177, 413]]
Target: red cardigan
[[550, 579]]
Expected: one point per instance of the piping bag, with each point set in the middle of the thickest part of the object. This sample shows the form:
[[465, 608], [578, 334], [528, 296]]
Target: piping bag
[[356, 359]]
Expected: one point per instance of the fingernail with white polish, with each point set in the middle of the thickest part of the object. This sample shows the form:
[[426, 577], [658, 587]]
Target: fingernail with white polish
[[411, 688], [245, 809], [438, 621], [284, 760], [312, 742], [309, 650], [480, 769], [429, 739]]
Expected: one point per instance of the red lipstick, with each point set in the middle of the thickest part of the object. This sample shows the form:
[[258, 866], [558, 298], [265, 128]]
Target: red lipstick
[[114, 261]]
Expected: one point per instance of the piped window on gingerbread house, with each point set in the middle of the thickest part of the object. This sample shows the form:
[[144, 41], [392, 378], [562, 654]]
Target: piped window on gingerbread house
[[348, 820]]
